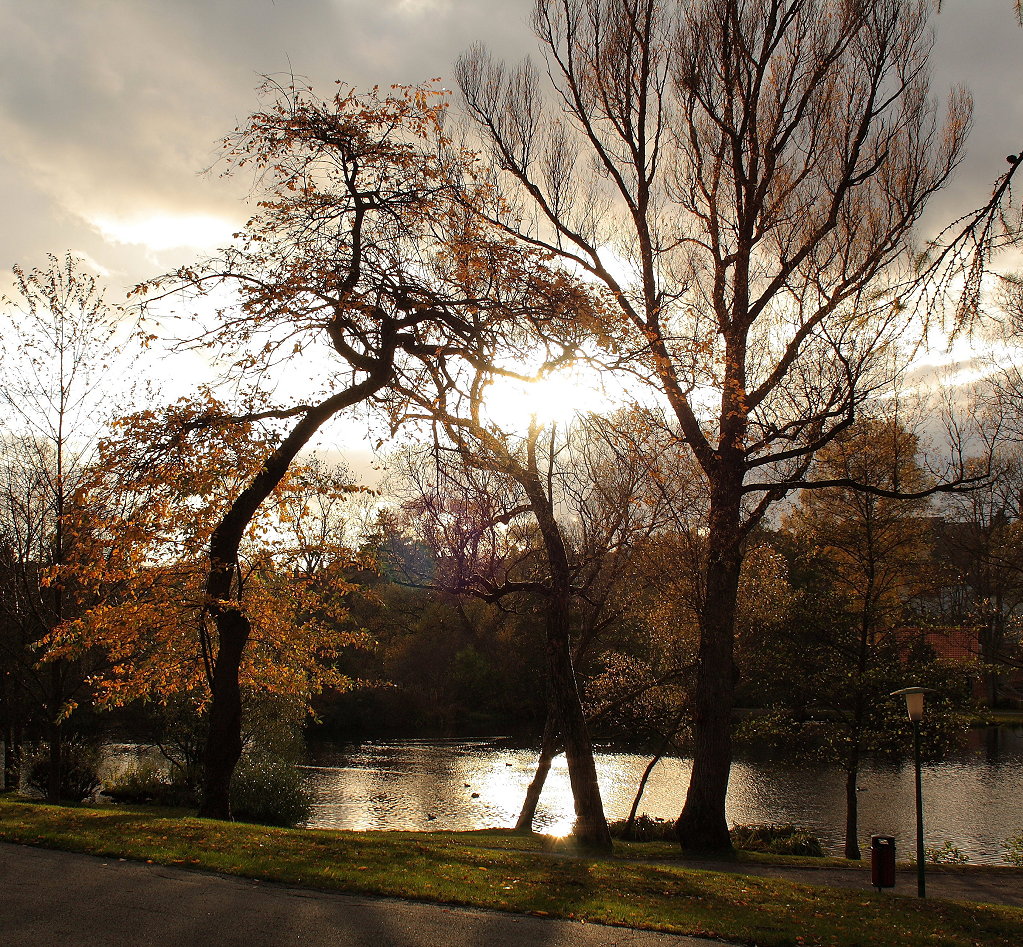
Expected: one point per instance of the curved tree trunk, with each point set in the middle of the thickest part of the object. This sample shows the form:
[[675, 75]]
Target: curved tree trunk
[[630, 823], [224, 740]]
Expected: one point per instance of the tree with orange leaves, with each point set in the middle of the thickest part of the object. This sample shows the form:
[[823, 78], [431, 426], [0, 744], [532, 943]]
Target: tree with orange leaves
[[361, 260], [144, 518]]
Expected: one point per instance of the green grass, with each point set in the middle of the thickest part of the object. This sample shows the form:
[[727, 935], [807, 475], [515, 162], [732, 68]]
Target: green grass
[[496, 869]]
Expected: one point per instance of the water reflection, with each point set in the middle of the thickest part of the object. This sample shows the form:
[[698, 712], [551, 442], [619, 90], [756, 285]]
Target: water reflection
[[973, 802]]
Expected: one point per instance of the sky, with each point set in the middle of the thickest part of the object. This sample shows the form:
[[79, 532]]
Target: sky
[[110, 110]]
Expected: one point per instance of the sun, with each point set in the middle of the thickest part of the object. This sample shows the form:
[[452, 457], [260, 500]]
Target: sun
[[553, 399]]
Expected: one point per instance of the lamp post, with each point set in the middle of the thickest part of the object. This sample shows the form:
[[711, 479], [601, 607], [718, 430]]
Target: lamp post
[[915, 708]]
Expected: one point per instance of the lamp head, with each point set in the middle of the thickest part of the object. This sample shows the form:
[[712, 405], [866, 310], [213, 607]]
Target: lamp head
[[914, 701]]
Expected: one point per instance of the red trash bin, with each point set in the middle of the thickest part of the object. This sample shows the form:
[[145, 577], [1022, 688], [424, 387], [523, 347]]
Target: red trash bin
[[882, 861]]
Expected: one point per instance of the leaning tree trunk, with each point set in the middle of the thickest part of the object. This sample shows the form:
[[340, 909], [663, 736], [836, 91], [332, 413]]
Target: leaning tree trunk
[[548, 750], [224, 739], [630, 823], [702, 825]]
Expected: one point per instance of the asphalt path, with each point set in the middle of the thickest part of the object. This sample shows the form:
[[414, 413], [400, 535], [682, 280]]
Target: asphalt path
[[60, 899]]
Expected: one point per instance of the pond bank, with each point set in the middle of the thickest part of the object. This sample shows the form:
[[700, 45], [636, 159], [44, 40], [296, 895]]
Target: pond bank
[[983, 885]]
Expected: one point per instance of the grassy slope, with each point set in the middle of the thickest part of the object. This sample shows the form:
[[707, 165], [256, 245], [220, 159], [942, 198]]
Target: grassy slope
[[499, 870]]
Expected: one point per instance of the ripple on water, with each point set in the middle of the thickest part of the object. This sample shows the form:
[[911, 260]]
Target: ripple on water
[[461, 785]]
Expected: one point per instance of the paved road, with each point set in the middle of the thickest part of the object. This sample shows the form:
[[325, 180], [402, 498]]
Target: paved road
[[60, 899]]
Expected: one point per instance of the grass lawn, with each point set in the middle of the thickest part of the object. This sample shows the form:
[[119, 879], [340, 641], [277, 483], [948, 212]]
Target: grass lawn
[[497, 869]]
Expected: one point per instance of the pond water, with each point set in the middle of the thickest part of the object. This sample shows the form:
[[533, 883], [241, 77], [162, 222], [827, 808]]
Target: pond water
[[974, 801]]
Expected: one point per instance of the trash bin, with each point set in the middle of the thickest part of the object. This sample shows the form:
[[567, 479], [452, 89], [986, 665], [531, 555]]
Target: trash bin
[[882, 861]]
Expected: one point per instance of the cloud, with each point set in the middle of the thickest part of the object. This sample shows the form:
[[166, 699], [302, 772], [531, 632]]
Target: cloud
[[111, 109], [167, 231]]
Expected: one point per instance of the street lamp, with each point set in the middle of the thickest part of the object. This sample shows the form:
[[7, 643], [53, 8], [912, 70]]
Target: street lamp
[[915, 708]]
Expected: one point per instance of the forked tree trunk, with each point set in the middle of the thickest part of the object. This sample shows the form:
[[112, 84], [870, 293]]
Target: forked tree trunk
[[591, 831]]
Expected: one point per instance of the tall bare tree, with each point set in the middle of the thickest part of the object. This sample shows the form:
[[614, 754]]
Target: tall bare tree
[[453, 401], [744, 178]]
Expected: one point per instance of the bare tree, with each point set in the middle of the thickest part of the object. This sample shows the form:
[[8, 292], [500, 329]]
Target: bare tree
[[743, 178], [63, 342], [529, 463], [474, 512]]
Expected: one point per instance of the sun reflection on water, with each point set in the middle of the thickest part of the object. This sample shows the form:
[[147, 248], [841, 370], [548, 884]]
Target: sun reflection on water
[[466, 785]]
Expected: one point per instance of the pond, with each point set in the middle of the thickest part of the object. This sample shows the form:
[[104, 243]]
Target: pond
[[973, 801]]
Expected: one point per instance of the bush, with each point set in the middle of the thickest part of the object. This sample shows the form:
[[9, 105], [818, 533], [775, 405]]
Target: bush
[[79, 771], [645, 828], [1014, 850], [147, 782], [270, 791], [785, 839]]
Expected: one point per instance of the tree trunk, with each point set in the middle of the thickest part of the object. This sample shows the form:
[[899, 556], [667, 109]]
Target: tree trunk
[[630, 823], [591, 830], [224, 738], [991, 653], [852, 845], [548, 750], [12, 754], [56, 764], [702, 825]]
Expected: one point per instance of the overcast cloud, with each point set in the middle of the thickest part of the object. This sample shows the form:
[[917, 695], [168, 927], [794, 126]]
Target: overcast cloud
[[110, 109]]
